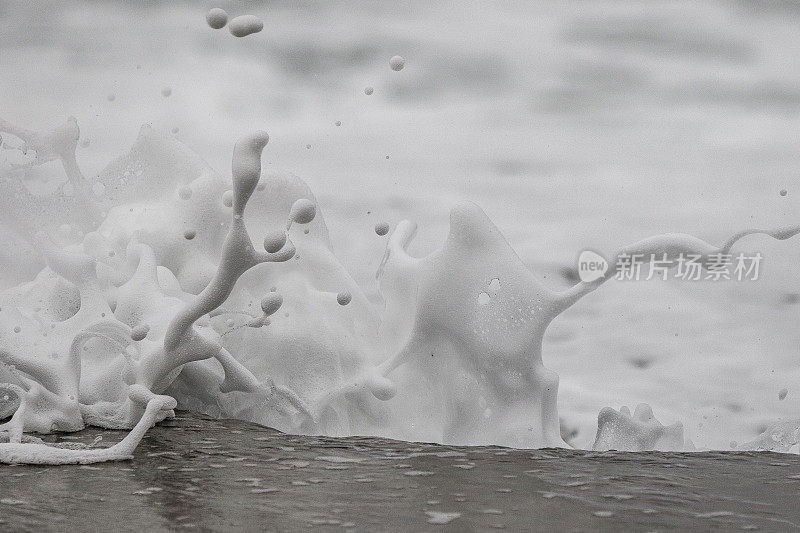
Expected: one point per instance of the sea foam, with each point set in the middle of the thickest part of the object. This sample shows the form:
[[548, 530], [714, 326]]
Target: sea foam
[[130, 312]]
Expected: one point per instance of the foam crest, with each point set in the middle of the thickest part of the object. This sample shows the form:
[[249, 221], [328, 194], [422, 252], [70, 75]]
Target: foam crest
[[781, 437], [484, 356], [619, 430]]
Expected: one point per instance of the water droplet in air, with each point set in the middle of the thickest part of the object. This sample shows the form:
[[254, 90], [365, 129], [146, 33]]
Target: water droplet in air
[[216, 18], [245, 25], [344, 298], [397, 63], [303, 211], [382, 228], [274, 241]]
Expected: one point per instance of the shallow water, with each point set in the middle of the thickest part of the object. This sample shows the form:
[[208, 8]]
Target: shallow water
[[201, 474]]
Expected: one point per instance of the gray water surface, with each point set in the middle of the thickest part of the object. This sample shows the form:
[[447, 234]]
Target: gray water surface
[[218, 475]]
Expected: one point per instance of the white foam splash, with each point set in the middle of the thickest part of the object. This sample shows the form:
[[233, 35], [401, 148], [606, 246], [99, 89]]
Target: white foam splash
[[128, 310]]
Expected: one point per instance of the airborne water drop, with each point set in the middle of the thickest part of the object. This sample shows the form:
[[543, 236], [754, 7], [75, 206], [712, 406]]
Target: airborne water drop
[[397, 63], [217, 18]]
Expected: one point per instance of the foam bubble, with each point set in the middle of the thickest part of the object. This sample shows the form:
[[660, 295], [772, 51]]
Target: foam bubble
[[397, 63], [368, 90], [189, 234], [274, 241], [382, 228], [216, 18], [245, 25], [303, 211], [271, 302], [166, 92], [227, 198], [140, 332], [344, 298], [440, 517]]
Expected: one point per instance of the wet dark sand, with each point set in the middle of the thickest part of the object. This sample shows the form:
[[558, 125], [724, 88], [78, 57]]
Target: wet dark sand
[[201, 474]]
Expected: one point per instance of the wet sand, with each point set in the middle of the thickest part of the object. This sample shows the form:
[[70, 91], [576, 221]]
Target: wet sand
[[210, 475]]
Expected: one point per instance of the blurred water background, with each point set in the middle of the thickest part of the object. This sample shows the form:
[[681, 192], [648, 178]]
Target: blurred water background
[[574, 125]]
